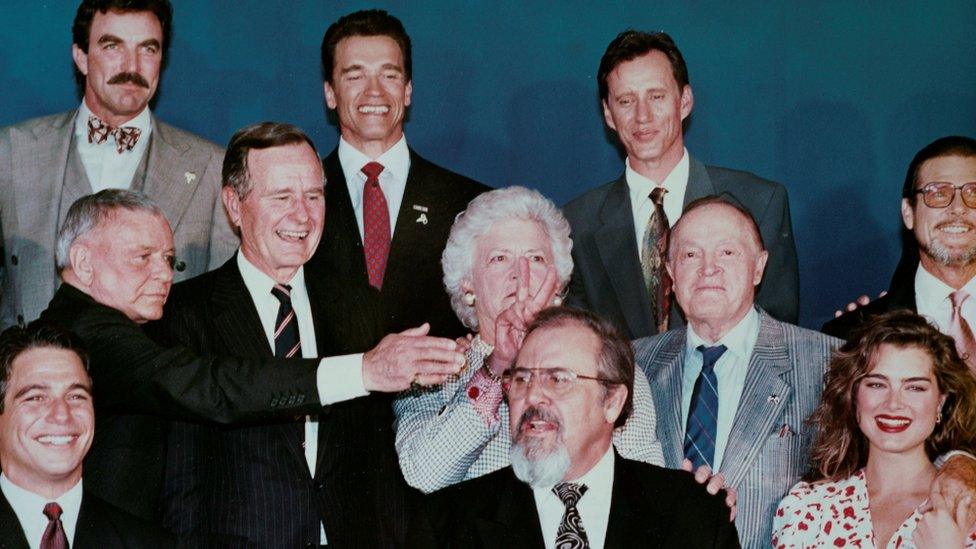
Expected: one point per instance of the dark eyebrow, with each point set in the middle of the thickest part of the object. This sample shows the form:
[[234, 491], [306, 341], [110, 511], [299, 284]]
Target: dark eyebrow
[[914, 379], [350, 68], [392, 66], [151, 42], [30, 388], [106, 38]]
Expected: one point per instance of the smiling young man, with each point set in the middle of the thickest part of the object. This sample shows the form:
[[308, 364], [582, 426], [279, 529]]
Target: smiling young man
[[47, 422], [112, 140], [570, 385], [390, 210], [620, 228]]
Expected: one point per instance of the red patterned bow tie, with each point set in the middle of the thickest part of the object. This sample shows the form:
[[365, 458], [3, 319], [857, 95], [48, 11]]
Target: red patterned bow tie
[[126, 137]]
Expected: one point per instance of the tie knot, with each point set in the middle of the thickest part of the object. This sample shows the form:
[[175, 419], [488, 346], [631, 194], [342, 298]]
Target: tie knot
[[657, 195], [710, 355], [569, 492], [958, 297], [282, 292], [372, 171], [52, 511]]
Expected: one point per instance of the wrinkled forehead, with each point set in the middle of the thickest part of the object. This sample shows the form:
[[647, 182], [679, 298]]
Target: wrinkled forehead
[[124, 225], [715, 222]]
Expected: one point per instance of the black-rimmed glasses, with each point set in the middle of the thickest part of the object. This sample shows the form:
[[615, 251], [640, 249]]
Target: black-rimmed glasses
[[554, 382], [939, 194]]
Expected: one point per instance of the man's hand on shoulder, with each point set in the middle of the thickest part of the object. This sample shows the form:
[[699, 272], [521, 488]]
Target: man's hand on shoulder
[[408, 357], [713, 483], [859, 302], [955, 484]]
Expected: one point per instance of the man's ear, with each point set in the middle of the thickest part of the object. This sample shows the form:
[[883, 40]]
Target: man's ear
[[614, 402], [760, 267], [80, 259], [80, 58], [232, 203], [907, 214], [330, 98], [687, 101], [608, 116]]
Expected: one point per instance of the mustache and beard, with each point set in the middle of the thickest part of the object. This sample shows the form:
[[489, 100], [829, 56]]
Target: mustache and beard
[[127, 77], [536, 461]]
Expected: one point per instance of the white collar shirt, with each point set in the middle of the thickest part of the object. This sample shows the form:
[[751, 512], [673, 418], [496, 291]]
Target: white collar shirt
[[640, 195], [730, 373], [593, 506], [259, 286], [105, 167], [393, 178], [932, 299], [29, 508]]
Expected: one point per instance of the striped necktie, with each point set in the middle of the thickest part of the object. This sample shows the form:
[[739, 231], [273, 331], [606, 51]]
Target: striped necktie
[[703, 411], [287, 341]]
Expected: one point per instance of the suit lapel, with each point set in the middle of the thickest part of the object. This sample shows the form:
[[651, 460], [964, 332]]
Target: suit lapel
[[94, 528], [11, 533], [173, 172], [634, 517], [516, 520], [699, 183], [617, 246], [409, 233], [763, 399], [341, 240], [39, 158], [670, 362], [239, 327]]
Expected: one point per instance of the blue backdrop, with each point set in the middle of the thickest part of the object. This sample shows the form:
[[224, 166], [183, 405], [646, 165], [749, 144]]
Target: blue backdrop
[[830, 98]]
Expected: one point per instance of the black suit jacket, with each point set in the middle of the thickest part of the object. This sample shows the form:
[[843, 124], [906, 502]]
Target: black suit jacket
[[100, 526], [650, 507], [413, 290], [251, 485], [607, 275], [901, 295], [136, 381]]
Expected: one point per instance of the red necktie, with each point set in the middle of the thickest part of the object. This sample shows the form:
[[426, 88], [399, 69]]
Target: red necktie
[[54, 536], [960, 331], [376, 225]]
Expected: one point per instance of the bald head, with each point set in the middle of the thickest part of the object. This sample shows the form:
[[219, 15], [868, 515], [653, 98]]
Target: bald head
[[716, 258]]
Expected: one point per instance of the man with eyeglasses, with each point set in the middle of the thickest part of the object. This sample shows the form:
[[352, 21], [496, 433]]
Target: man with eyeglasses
[[939, 208], [570, 385]]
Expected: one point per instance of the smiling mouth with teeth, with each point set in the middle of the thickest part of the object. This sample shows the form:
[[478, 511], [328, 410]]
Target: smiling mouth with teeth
[[300, 235], [374, 109], [56, 440]]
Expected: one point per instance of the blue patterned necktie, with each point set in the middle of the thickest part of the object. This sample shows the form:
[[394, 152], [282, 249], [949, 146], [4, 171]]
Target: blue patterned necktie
[[703, 411], [570, 534]]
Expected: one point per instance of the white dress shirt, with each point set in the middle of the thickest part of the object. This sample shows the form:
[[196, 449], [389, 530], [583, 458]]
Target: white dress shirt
[[105, 167], [640, 195], [593, 506], [29, 508], [932, 299], [393, 178], [730, 373]]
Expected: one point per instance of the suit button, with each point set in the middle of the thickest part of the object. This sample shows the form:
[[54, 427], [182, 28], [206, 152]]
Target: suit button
[[14, 260], [274, 402], [180, 266]]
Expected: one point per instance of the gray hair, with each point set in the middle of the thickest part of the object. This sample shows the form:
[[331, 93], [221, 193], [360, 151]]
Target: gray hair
[[88, 211], [484, 211]]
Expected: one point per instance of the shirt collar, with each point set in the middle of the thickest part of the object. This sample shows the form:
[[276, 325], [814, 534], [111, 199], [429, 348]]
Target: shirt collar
[[395, 161], [259, 284], [143, 121], [740, 340], [641, 187], [25, 502], [932, 294]]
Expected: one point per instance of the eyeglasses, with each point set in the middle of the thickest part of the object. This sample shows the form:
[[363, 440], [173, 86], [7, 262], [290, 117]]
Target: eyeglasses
[[940, 194], [554, 382]]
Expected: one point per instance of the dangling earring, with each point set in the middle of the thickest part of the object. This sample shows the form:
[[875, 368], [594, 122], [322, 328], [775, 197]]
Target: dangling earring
[[938, 417], [468, 299]]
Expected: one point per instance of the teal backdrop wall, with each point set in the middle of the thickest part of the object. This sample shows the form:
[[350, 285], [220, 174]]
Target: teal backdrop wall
[[830, 98]]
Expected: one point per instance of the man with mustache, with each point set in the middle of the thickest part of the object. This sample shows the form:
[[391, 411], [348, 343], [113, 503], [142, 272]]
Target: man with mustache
[[46, 425], [111, 140], [938, 206], [620, 229], [570, 385]]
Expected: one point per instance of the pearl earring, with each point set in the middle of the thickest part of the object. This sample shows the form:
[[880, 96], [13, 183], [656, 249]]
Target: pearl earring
[[468, 299]]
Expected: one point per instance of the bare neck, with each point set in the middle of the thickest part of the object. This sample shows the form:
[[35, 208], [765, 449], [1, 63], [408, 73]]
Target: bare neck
[[659, 169], [902, 472]]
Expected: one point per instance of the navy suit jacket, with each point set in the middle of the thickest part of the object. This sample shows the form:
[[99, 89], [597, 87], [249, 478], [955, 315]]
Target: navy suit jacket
[[901, 295], [607, 275]]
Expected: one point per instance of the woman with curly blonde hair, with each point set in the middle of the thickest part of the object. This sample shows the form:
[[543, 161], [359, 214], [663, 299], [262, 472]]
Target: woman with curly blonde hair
[[896, 396]]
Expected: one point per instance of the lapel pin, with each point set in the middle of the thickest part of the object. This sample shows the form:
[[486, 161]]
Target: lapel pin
[[773, 399], [785, 431], [422, 219], [420, 208], [190, 177]]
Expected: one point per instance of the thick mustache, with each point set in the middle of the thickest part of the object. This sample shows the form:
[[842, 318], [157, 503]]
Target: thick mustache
[[124, 77], [533, 413]]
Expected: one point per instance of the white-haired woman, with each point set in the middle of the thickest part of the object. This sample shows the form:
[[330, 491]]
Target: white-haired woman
[[508, 256]]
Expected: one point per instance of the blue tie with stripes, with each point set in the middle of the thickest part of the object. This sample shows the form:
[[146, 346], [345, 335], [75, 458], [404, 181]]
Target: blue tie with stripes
[[287, 341], [703, 411]]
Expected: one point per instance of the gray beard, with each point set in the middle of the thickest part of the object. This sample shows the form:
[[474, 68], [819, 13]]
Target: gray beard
[[941, 255], [539, 471]]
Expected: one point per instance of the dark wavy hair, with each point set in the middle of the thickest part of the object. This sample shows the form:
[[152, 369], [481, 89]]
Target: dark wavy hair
[[840, 448], [630, 45], [17, 340]]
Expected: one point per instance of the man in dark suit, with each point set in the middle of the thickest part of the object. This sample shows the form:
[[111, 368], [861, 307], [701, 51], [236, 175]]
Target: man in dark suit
[[115, 252], [385, 232], [943, 228], [566, 487], [328, 478], [46, 427], [620, 228], [112, 140]]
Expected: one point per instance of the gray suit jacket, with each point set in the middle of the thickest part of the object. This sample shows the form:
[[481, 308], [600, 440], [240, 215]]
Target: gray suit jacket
[[607, 275], [768, 447], [182, 176]]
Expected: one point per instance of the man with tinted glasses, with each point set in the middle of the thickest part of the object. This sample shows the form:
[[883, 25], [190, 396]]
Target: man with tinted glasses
[[566, 487], [939, 207]]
